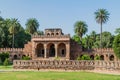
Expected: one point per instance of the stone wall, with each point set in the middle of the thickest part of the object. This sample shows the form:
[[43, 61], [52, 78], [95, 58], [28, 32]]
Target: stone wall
[[66, 65], [107, 54], [14, 53], [75, 50], [28, 49], [11, 49], [54, 41]]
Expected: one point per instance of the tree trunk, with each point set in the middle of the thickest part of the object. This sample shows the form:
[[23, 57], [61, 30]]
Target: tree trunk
[[13, 43], [101, 36], [80, 39]]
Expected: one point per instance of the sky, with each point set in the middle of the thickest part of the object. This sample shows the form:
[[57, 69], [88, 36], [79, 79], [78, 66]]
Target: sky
[[62, 13]]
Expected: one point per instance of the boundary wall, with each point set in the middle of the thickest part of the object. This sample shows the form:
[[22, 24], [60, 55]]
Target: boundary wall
[[66, 65]]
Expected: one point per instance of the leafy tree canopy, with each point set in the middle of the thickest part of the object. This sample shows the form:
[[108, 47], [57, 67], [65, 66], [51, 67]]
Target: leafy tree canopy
[[116, 45]]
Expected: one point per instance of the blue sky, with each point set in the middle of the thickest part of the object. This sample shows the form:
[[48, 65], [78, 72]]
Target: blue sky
[[62, 13]]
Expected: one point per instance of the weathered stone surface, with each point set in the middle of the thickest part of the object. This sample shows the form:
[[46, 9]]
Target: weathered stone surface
[[66, 65], [54, 45]]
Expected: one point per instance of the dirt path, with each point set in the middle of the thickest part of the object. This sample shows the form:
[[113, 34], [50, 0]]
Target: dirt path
[[106, 72], [42, 70]]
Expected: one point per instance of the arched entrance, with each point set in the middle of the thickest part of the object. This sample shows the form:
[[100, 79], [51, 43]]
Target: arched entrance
[[61, 50], [92, 57], [23, 56], [111, 58], [40, 50], [52, 34], [51, 50], [15, 57], [48, 34], [101, 57]]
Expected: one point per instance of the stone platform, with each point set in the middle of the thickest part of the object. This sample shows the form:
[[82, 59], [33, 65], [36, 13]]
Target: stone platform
[[66, 65]]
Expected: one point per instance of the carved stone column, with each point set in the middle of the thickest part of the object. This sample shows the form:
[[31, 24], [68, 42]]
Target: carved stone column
[[45, 50], [68, 51], [33, 50], [56, 50]]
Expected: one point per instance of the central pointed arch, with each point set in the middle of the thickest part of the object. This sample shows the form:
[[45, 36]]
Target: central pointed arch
[[51, 50]]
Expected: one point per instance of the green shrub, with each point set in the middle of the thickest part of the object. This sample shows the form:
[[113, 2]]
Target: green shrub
[[57, 58], [0, 61], [26, 58], [6, 62], [3, 56], [85, 57], [97, 57]]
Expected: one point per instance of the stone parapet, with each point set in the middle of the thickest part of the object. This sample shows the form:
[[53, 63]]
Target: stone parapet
[[99, 51], [10, 49], [103, 49], [51, 36], [66, 65]]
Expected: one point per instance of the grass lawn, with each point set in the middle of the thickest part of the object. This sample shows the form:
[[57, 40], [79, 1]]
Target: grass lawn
[[5, 67], [36, 75]]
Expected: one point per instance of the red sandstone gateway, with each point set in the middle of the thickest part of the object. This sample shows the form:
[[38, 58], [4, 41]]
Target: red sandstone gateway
[[54, 45]]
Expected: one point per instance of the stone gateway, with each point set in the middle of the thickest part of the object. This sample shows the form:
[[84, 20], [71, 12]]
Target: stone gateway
[[55, 45]]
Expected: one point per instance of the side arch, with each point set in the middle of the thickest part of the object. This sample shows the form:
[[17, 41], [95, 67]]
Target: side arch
[[15, 56], [51, 50], [40, 50], [92, 57], [111, 58], [101, 57], [61, 50]]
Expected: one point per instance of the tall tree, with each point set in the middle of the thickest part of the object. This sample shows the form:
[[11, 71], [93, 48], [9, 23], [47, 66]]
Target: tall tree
[[14, 28], [93, 35], [22, 38], [116, 45], [117, 31], [4, 25], [32, 25], [39, 32], [101, 16], [76, 38], [107, 39], [80, 28]]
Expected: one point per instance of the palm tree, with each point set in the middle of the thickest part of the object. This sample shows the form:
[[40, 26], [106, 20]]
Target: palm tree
[[14, 28], [32, 25], [80, 28], [101, 16], [93, 35]]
